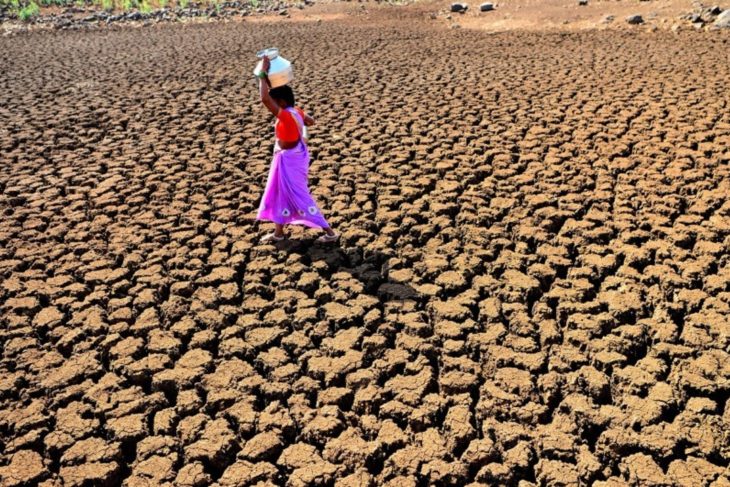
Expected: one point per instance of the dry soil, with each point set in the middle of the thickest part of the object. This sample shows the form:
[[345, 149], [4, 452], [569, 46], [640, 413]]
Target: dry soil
[[532, 285]]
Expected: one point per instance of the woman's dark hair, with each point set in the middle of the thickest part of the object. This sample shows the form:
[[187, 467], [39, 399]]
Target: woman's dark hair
[[284, 93]]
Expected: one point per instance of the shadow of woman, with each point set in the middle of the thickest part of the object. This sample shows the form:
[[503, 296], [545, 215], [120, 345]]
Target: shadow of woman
[[367, 266]]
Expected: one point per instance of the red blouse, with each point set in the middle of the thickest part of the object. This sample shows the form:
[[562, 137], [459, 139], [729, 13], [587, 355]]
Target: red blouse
[[287, 129]]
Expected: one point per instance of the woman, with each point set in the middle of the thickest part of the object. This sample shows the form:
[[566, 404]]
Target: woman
[[286, 200]]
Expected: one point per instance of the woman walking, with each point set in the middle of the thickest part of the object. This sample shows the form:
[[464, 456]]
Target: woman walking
[[287, 200]]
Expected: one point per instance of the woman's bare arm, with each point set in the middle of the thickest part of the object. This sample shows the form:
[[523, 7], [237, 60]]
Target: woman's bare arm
[[264, 88], [308, 121]]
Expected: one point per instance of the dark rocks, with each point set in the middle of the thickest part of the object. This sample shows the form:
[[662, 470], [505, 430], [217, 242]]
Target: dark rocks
[[635, 19], [486, 7], [708, 16], [459, 7]]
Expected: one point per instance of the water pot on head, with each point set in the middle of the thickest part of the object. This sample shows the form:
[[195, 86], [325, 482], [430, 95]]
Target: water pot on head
[[280, 71]]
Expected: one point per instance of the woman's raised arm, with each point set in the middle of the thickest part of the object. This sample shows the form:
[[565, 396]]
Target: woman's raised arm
[[264, 88]]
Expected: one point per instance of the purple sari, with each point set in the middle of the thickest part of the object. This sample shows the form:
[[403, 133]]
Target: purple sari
[[286, 199]]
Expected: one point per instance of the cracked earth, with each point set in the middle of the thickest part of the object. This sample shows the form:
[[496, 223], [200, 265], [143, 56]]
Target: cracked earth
[[532, 285]]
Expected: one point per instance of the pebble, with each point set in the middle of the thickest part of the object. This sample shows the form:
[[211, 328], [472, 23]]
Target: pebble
[[582, 3], [635, 19], [486, 7], [459, 7]]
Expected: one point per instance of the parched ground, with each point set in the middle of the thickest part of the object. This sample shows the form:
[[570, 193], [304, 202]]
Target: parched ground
[[532, 287]]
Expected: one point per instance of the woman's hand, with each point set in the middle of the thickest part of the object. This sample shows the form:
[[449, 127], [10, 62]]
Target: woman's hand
[[265, 64]]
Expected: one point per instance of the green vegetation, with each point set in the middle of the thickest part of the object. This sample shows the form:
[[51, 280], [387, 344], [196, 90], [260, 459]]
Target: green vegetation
[[29, 11]]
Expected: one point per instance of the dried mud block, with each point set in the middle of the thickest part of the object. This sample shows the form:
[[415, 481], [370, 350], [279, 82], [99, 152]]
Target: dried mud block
[[316, 474], [306, 465], [410, 389], [642, 469], [29, 417], [327, 423], [458, 424], [48, 318], [246, 473], [402, 481], [192, 475], [188, 369], [128, 428], [349, 449], [25, 467], [155, 446], [263, 446], [72, 371], [92, 450], [695, 471], [331, 368], [94, 473], [215, 445], [450, 311], [72, 423], [360, 478], [709, 373], [156, 469]]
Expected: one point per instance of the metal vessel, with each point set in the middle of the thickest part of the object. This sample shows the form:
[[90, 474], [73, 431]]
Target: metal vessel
[[280, 71]]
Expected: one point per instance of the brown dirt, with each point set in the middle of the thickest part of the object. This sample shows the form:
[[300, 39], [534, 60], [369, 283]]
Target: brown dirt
[[532, 288]]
